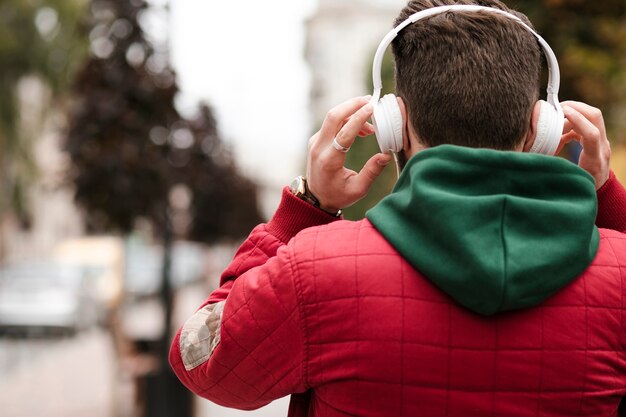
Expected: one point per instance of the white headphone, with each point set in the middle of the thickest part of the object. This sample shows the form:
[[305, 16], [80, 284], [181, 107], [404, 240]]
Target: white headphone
[[387, 118]]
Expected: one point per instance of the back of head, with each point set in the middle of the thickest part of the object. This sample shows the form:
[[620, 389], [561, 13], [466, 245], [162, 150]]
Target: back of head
[[468, 79]]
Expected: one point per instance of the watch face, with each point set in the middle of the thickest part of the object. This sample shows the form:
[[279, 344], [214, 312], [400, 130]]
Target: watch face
[[297, 186], [293, 186]]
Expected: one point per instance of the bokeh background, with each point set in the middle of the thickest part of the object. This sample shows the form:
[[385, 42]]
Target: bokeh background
[[140, 141]]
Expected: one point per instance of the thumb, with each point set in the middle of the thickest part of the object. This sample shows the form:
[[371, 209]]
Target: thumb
[[362, 182]]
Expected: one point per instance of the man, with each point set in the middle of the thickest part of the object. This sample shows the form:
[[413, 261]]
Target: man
[[480, 286]]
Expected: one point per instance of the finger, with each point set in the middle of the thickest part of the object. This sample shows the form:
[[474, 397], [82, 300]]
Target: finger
[[591, 113], [584, 108], [565, 139], [361, 183], [570, 136], [368, 129], [347, 135], [590, 134], [313, 139], [567, 126], [365, 133], [335, 118]]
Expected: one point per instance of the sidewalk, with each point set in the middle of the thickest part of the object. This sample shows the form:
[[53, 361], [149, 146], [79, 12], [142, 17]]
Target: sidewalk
[[208, 409], [66, 378]]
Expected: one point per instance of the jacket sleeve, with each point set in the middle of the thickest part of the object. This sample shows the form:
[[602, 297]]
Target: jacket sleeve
[[244, 347], [612, 205]]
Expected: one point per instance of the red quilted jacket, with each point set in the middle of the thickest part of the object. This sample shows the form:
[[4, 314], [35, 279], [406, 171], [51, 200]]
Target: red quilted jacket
[[336, 316]]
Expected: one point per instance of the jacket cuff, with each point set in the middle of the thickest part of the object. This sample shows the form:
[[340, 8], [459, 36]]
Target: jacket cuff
[[294, 215], [612, 204]]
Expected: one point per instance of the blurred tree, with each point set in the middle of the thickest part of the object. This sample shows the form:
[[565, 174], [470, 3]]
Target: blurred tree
[[135, 157], [589, 39], [37, 38], [130, 146]]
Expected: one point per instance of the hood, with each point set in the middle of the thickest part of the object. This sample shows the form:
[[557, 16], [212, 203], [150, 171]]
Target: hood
[[495, 230]]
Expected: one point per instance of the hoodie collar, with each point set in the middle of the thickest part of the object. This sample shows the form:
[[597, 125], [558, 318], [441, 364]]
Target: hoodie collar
[[495, 230]]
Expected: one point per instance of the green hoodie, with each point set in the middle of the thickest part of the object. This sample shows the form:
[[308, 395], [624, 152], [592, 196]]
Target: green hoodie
[[495, 230]]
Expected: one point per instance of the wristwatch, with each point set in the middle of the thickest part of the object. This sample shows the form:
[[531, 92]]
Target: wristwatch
[[300, 189]]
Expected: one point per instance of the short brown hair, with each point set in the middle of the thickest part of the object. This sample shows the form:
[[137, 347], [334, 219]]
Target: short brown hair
[[468, 79]]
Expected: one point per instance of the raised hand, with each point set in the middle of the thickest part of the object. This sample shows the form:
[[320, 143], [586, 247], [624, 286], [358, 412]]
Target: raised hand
[[585, 124], [334, 185]]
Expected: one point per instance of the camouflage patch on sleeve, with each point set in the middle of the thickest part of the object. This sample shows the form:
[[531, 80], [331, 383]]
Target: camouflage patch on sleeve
[[200, 335]]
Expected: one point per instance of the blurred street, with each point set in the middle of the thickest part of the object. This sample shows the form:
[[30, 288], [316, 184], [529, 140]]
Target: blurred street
[[64, 377], [48, 375]]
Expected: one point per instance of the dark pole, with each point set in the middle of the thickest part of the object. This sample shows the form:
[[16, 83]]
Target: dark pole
[[166, 396], [166, 286]]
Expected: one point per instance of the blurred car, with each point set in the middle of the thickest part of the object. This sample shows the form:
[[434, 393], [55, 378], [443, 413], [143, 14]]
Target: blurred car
[[46, 297], [102, 260], [144, 267]]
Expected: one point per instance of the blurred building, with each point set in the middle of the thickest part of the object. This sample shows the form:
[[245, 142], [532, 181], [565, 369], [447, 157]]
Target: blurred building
[[54, 215], [342, 37]]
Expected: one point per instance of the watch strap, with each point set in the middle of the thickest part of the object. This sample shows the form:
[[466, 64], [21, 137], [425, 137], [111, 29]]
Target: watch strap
[[300, 189]]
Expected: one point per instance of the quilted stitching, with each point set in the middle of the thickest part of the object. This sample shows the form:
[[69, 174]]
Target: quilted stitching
[[339, 310], [256, 250], [378, 323]]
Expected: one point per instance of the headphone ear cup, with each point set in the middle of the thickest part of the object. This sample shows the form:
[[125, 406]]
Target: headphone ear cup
[[549, 129], [387, 120]]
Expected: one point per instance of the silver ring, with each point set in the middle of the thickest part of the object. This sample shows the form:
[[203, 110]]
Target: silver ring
[[340, 148]]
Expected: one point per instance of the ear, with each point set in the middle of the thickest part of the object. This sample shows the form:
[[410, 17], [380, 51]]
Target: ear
[[406, 142], [411, 143], [529, 140]]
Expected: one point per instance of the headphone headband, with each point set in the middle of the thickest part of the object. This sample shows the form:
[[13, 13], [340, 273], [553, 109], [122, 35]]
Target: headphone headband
[[554, 78]]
